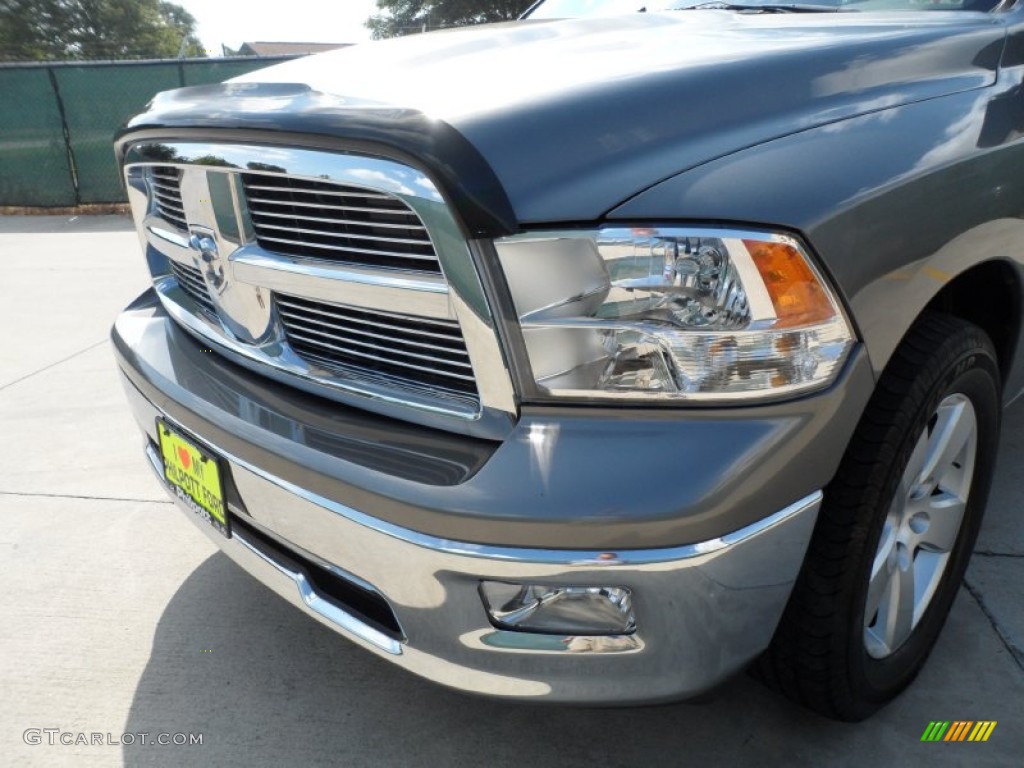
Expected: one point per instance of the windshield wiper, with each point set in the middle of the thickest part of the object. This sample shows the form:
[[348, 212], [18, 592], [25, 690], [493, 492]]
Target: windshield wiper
[[766, 7]]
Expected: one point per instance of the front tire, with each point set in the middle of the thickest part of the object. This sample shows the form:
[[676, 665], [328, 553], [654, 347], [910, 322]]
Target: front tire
[[896, 528]]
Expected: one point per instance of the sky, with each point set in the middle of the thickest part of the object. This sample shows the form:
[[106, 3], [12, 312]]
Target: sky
[[233, 22]]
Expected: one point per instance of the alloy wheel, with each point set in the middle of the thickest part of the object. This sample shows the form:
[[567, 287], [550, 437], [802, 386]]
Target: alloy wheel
[[922, 526]]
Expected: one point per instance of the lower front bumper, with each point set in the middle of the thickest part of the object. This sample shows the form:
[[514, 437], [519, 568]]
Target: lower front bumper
[[703, 610]]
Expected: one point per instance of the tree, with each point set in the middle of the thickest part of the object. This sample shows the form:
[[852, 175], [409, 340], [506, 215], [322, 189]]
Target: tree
[[404, 17], [95, 29]]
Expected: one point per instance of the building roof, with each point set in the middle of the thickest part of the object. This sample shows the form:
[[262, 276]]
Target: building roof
[[281, 49]]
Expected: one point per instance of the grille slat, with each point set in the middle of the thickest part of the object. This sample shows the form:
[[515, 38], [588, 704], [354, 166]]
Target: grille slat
[[318, 326], [345, 249], [174, 218], [333, 193], [297, 327], [350, 339], [162, 187], [348, 222], [354, 225], [348, 235], [388, 359], [195, 289], [169, 204], [165, 187], [379, 322], [184, 275], [191, 281], [326, 207]]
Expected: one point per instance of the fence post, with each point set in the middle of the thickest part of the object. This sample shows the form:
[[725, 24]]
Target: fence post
[[67, 134]]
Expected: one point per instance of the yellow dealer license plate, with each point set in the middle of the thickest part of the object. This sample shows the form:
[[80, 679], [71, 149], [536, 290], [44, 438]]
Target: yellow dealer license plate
[[194, 475]]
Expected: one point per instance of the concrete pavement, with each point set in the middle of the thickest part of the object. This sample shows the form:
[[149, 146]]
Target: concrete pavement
[[117, 617]]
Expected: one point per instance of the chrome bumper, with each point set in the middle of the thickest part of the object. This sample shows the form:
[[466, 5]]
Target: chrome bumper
[[702, 610]]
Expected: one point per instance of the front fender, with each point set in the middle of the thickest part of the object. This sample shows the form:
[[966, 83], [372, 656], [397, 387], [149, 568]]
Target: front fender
[[896, 203]]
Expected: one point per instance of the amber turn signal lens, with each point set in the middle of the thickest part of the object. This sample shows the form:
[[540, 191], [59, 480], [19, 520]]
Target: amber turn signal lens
[[796, 293]]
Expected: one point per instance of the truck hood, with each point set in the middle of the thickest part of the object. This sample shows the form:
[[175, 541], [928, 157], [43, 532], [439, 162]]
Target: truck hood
[[574, 117]]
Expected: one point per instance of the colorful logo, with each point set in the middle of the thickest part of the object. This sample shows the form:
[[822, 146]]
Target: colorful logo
[[958, 730]]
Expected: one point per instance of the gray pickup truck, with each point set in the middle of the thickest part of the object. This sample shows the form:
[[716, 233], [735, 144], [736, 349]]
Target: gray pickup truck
[[597, 356]]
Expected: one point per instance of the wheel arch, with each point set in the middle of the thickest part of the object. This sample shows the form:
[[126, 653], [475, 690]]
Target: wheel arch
[[988, 295], [977, 276]]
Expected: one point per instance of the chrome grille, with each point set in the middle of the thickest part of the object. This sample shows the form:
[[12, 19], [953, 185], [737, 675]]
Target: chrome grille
[[416, 350], [191, 281], [334, 269], [338, 223], [165, 187]]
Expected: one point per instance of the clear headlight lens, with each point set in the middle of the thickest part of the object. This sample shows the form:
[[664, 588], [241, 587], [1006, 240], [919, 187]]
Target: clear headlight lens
[[673, 313]]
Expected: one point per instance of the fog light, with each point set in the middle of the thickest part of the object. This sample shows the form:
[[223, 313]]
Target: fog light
[[559, 610]]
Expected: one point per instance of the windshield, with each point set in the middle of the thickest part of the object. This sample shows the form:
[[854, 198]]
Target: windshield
[[561, 9]]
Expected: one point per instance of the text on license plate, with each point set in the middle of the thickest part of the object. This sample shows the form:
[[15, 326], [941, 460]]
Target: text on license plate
[[194, 475]]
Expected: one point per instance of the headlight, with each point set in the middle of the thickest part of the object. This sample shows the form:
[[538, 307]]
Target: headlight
[[673, 314]]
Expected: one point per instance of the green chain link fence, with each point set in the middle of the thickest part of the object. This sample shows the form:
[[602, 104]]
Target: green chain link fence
[[57, 122]]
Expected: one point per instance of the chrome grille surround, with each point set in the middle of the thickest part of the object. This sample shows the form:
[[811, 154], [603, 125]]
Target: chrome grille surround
[[388, 313]]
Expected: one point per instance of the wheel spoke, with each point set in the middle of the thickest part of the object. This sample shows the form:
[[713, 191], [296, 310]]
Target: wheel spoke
[[914, 473], [878, 587], [899, 620], [880, 570], [955, 426], [945, 513]]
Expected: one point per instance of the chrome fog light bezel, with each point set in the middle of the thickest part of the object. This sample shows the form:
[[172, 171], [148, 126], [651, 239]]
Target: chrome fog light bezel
[[553, 609]]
